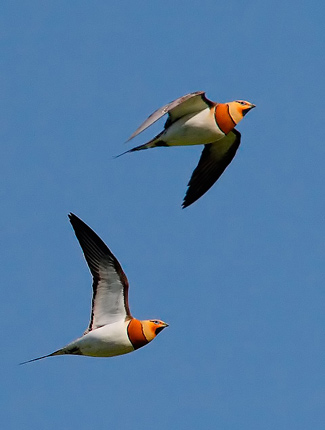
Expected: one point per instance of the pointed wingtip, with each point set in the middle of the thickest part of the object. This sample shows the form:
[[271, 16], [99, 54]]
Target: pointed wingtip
[[185, 203], [130, 138], [73, 218]]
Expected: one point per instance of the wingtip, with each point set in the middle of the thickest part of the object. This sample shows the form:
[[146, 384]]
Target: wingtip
[[186, 203], [75, 220], [72, 217], [135, 133], [130, 138]]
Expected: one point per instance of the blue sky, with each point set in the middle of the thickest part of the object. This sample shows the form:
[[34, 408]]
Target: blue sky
[[239, 276]]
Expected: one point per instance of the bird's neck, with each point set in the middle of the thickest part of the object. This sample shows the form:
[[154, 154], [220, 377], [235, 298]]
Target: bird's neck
[[223, 118]]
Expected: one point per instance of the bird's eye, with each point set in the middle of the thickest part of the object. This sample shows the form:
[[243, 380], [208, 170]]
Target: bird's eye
[[241, 102], [156, 322]]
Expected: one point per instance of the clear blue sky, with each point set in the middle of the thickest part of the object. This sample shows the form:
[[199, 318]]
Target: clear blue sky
[[239, 276]]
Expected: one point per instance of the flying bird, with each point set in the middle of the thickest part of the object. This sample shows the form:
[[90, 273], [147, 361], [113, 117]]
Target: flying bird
[[195, 120], [112, 329]]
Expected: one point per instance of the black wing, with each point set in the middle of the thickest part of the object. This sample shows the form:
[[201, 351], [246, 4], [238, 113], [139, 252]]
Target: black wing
[[214, 159]]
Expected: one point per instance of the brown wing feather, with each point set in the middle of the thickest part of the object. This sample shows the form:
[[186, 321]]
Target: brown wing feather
[[184, 105]]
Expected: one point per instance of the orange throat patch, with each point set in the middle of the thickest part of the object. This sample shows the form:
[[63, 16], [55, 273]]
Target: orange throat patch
[[223, 118], [136, 334]]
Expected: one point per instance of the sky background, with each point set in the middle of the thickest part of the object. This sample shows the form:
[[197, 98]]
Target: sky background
[[239, 276]]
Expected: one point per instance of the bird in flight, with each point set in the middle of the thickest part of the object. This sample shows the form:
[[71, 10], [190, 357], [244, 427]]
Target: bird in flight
[[195, 120], [112, 329]]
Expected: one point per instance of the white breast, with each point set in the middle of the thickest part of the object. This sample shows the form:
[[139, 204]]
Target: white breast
[[106, 341], [193, 129]]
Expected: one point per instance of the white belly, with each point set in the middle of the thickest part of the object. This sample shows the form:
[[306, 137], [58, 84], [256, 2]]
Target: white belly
[[193, 129], [106, 341]]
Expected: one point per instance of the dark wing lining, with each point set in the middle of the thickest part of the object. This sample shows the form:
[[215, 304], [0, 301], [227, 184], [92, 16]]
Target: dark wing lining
[[110, 284], [189, 103], [214, 159]]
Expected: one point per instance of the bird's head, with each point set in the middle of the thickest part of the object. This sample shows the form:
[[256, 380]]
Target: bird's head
[[152, 327], [238, 109]]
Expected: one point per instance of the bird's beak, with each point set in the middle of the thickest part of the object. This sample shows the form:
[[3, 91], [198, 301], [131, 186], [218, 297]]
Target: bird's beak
[[159, 329], [245, 111]]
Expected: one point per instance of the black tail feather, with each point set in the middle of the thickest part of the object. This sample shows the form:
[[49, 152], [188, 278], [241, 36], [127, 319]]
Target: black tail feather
[[137, 148], [40, 358]]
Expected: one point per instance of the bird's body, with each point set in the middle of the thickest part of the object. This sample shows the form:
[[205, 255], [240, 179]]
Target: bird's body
[[195, 120], [106, 341], [112, 329], [113, 339], [192, 128]]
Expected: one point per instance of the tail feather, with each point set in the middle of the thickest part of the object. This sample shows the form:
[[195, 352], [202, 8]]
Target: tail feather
[[151, 144], [137, 148], [59, 352]]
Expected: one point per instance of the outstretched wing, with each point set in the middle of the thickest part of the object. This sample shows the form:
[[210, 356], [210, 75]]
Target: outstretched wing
[[214, 159], [110, 284], [190, 103]]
